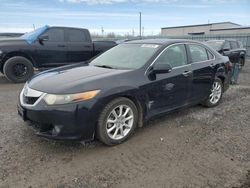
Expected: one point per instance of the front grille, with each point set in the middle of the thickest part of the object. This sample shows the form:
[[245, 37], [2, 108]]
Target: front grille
[[30, 100]]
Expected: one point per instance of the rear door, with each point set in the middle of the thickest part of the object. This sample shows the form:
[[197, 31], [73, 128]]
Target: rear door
[[170, 90], [203, 67], [80, 47], [51, 52]]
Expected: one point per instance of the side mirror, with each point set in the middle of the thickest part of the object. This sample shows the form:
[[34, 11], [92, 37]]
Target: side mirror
[[43, 38], [162, 68]]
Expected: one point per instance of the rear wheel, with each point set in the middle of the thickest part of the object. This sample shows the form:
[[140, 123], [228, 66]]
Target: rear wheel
[[18, 69], [117, 121], [215, 95]]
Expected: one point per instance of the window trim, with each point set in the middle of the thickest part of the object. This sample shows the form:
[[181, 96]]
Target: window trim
[[164, 51], [187, 53]]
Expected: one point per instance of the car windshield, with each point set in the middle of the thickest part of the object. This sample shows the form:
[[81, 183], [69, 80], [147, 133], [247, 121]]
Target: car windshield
[[215, 44], [31, 36], [126, 56]]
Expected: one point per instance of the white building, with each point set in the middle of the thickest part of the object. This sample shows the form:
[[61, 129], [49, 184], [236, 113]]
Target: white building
[[205, 29]]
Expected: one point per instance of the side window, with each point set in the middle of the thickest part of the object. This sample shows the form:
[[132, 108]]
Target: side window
[[210, 55], [55, 35], [175, 56], [233, 45], [240, 45], [227, 45], [198, 53], [76, 35]]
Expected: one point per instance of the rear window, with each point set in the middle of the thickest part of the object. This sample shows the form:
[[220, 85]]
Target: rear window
[[198, 53], [75, 35], [217, 45], [227, 45]]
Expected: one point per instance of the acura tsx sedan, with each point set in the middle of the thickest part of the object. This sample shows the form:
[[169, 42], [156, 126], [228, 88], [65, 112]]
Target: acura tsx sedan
[[123, 88]]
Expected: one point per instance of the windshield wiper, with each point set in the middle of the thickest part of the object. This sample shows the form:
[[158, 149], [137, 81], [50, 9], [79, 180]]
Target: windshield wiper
[[105, 66]]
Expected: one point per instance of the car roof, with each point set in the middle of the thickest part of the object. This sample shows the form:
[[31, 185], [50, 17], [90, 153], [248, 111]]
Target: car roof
[[223, 40], [160, 41], [62, 27]]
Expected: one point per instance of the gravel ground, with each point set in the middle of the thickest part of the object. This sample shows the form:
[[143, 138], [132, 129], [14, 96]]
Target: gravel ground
[[194, 147]]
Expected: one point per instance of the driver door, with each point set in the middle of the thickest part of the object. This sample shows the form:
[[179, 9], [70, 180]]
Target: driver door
[[170, 90], [52, 51]]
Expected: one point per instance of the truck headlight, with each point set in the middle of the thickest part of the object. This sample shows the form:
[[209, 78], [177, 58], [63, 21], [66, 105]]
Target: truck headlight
[[52, 99]]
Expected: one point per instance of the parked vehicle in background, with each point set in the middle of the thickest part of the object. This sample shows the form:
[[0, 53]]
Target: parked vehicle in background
[[231, 48], [122, 88], [10, 35], [47, 47]]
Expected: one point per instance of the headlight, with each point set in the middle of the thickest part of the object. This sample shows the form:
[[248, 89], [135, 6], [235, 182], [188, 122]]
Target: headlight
[[51, 99]]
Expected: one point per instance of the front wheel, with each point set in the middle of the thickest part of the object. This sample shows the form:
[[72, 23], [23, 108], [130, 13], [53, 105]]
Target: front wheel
[[18, 69], [215, 95], [117, 121]]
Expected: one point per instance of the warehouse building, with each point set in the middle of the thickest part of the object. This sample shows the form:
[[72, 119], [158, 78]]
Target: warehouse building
[[205, 29]]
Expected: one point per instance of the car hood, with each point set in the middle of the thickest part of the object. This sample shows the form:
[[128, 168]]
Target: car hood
[[11, 41], [71, 79]]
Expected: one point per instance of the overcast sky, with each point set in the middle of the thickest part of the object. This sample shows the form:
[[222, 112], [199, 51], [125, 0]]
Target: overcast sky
[[119, 16]]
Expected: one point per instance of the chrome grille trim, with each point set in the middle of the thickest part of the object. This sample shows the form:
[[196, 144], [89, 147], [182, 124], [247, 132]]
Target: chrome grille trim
[[28, 92]]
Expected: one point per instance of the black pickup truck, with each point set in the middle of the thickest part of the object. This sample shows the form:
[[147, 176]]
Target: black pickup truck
[[47, 47], [231, 48]]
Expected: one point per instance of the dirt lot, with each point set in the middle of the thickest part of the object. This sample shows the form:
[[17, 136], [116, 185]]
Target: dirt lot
[[194, 147]]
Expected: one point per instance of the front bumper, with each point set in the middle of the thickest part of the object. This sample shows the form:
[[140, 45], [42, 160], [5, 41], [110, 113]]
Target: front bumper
[[63, 122]]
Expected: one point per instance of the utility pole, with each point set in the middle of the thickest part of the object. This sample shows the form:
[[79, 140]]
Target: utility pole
[[140, 25], [102, 32]]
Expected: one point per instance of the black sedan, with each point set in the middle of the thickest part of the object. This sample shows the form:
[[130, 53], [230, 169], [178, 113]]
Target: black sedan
[[122, 88]]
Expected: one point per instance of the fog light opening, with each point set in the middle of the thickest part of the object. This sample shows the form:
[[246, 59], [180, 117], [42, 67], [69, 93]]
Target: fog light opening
[[57, 129]]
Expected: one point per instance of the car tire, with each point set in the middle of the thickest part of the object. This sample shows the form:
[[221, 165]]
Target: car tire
[[117, 121], [18, 69], [215, 95]]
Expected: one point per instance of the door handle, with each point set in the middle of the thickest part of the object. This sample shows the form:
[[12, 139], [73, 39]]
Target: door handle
[[87, 46], [61, 45], [187, 73]]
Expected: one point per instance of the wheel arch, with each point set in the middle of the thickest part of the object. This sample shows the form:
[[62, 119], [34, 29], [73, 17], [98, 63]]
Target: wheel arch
[[17, 53], [131, 95], [222, 75], [139, 107]]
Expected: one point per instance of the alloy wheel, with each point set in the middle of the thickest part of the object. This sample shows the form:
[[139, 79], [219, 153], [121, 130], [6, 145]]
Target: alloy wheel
[[119, 122], [20, 70], [216, 93]]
